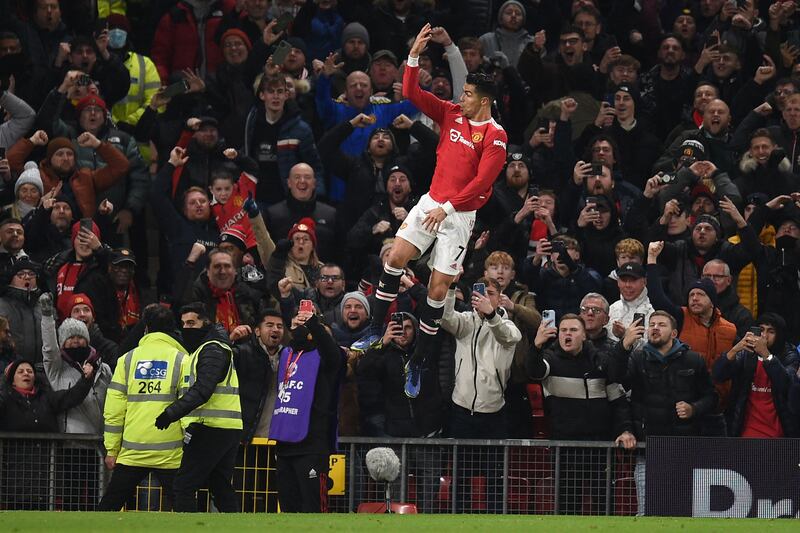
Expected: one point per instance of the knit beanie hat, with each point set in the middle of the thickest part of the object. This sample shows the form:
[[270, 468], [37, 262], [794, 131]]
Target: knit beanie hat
[[30, 176], [355, 295], [236, 32], [707, 286], [77, 299], [91, 99], [708, 219], [305, 225], [57, 144], [235, 236], [72, 328], [298, 43], [76, 227], [353, 30]]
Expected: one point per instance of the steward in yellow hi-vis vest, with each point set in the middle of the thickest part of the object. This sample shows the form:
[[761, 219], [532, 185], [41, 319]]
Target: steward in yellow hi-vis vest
[[209, 410], [146, 381]]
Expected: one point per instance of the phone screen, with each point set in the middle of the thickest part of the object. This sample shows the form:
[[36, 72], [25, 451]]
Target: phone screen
[[176, 89], [306, 306]]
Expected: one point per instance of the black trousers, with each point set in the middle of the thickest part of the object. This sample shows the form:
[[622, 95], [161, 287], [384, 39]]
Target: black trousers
[[123, 483], [303, 483], [209, 456]]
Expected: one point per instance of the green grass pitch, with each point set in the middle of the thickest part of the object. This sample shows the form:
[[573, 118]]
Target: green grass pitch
[[56, 522]]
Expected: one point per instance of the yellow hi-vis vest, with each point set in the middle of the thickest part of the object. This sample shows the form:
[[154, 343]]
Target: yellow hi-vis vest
[[107, 7], [145, 82], [223, 410], [145, 382]]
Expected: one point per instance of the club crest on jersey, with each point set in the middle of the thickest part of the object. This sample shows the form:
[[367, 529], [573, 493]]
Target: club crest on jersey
[[456, 137], [477, 137]]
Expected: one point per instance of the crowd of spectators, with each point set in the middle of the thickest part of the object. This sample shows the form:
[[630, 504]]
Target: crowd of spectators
[[640, 253]]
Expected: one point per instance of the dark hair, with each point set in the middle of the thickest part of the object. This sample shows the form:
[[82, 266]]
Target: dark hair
[[157, 318], [484, 84], [589, 10], [269, 313], [199, 308], [8, 35], [762, 132], [602, 137], [224, 171], [672, 321], [672, 36], [571, 28]]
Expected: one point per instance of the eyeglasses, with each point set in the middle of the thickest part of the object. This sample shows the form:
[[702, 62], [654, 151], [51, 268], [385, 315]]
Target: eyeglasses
[[26, 274], [330, 278], [716, 277], [571, 41], [591, 310]]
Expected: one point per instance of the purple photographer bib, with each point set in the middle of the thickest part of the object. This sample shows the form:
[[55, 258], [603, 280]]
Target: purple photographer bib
[[297, 377]]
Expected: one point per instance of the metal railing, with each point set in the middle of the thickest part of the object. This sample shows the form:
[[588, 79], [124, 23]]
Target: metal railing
[[66, 472], [50, 472], [497, 476]]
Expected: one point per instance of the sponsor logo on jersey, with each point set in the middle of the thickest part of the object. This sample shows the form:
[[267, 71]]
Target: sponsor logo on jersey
[[456, 137], [477, 137], [499, 143], [151, 370]]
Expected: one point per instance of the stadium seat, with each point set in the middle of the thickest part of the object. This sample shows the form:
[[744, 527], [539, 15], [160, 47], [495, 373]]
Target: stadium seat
[[541, 429], [625, 503], [544, 496], [380, 508], [519, 492]]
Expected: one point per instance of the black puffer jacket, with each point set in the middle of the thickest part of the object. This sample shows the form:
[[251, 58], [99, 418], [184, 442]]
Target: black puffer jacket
[[595, 410], [255, 378], [405, 417], [742, 371], [657, 385], [37, 413]]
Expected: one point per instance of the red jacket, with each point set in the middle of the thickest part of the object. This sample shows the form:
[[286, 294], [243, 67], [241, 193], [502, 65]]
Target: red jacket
[[176, 44]]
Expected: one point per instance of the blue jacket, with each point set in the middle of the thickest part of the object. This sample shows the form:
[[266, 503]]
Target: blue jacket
[[332, 112], [295, 144]]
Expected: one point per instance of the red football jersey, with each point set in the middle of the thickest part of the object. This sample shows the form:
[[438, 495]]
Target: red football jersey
[[470, 154], [231, 213]]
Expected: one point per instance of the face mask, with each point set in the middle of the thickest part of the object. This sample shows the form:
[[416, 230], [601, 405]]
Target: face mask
[[78, 355], [193, 337], [117, 38]]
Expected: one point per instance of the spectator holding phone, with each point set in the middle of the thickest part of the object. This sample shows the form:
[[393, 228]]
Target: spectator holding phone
[[558, 277], [634, 300], [760, 383]]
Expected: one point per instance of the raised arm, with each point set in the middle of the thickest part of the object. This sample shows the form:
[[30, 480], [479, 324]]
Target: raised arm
[[423, 100]]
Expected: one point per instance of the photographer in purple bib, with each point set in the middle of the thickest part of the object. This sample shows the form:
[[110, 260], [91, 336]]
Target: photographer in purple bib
[[304, 417]]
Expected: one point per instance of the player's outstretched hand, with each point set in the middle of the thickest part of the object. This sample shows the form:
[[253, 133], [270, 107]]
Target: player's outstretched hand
[[421, 42]]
